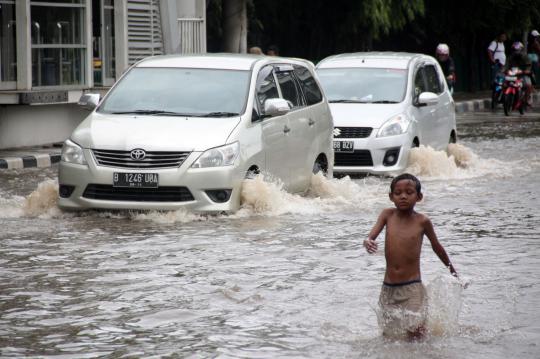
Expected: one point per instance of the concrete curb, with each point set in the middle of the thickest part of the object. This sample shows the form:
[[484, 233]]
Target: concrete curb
[[20, 160], [483, 104]]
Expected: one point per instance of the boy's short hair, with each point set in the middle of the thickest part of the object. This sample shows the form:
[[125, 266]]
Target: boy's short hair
[[406, 176]]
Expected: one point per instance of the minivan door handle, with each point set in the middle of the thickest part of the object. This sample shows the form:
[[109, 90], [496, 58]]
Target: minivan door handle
[[286, 129], [311, 122]]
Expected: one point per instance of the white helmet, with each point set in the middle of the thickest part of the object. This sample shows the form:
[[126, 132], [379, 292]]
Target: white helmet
[[517, 46], [442, 49]]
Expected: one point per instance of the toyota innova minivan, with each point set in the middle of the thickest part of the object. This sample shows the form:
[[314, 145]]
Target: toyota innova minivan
[[185, 131]]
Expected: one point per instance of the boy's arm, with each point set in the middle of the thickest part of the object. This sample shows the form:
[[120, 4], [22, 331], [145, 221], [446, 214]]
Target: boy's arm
[[437, 247], [369, 242]]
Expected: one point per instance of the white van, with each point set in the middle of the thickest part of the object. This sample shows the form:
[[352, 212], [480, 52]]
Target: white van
[[384, 104], [185, 131]]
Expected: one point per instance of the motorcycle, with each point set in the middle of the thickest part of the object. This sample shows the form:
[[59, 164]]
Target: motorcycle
[[513, 92]]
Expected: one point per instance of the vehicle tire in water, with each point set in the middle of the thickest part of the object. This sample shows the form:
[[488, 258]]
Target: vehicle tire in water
[[320, 165], [522, 105], [508, 103]]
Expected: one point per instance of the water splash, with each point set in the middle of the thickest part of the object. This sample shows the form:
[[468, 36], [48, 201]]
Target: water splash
[[262, 196], [266, 196], [459, 162], [42, 201], [445, 298]]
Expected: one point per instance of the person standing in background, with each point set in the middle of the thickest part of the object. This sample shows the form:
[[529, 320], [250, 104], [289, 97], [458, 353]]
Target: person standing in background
[[497, 54], [533, 52]]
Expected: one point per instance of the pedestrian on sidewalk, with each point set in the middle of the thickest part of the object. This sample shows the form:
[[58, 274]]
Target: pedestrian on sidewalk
[[497, 55]]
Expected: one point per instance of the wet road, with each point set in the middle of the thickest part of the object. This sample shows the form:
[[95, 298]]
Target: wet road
[[286, 277]]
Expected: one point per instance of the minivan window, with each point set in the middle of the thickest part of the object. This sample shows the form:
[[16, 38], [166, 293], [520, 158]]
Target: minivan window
[[289, 89], [180, 91], [364, 85], [266, 86], [433, 81], [311, 90], [419, 84]]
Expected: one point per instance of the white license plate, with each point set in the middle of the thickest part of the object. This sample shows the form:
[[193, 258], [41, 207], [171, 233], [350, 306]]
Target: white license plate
[[344, 146], [138, 180]]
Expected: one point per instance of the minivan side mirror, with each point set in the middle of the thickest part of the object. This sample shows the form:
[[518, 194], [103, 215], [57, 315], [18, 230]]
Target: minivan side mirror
[[276, 107], [427, 98], [89, 101]]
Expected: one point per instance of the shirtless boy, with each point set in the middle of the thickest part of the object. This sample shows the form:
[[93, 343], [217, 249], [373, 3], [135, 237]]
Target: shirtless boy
[[403, 301]]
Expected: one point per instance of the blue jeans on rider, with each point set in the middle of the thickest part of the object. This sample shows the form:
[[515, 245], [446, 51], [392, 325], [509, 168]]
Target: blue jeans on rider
[[496, 68]]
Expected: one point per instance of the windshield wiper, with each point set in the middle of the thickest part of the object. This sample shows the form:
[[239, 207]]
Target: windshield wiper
[[151, 112], [384, 101], [347, 101], [218, 114]]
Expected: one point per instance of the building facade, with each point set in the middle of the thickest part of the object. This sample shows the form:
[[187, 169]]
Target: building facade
[[52, 51]]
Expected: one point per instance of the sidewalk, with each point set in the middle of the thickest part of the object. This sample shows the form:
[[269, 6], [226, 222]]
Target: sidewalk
[[45, 156]]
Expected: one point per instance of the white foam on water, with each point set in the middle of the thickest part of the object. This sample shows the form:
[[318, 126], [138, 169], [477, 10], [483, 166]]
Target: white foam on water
[[168, 217], [11, 207], [459, 162]]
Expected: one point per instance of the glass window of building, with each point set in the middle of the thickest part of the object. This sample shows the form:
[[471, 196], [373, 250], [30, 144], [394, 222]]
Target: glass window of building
[[58, 31], [8, 47], [103, 42]]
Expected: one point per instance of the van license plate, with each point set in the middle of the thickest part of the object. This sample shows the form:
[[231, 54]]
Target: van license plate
[[138, 180], [343, 146]]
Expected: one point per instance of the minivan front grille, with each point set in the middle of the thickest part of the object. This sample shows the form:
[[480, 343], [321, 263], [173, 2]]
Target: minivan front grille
[[360, 158], [160, 194], [122, 159], [353, 132]]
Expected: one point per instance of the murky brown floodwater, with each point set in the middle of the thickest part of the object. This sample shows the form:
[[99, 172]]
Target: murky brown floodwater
[[287, 275]]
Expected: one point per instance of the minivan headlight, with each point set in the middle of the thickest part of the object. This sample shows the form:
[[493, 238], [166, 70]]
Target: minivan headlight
[[218, 156], [395, 126], [73, 153]]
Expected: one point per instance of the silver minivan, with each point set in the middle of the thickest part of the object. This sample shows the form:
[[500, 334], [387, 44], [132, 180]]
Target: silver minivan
[[185, 131]]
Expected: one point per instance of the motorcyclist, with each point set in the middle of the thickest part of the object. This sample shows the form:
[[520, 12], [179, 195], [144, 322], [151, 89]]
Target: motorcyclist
[[447, 64], [519, 59]]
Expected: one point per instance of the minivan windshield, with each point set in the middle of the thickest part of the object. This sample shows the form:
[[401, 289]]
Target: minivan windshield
[[363, 85], [179, 92]]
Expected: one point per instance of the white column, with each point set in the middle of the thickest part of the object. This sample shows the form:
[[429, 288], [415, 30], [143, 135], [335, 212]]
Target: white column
[[121, 36], [24, 42]]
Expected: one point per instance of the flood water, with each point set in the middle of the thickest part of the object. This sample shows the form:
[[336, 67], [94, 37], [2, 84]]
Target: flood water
[[287, 276]]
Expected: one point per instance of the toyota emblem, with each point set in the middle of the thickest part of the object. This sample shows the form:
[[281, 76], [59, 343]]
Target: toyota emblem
[[138, 154]]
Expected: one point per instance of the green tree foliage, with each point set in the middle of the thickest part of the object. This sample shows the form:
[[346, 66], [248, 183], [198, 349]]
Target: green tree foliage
[[314, 29], [317, 28]]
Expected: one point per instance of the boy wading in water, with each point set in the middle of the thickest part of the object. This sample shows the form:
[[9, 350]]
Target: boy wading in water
[[403, 302]]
